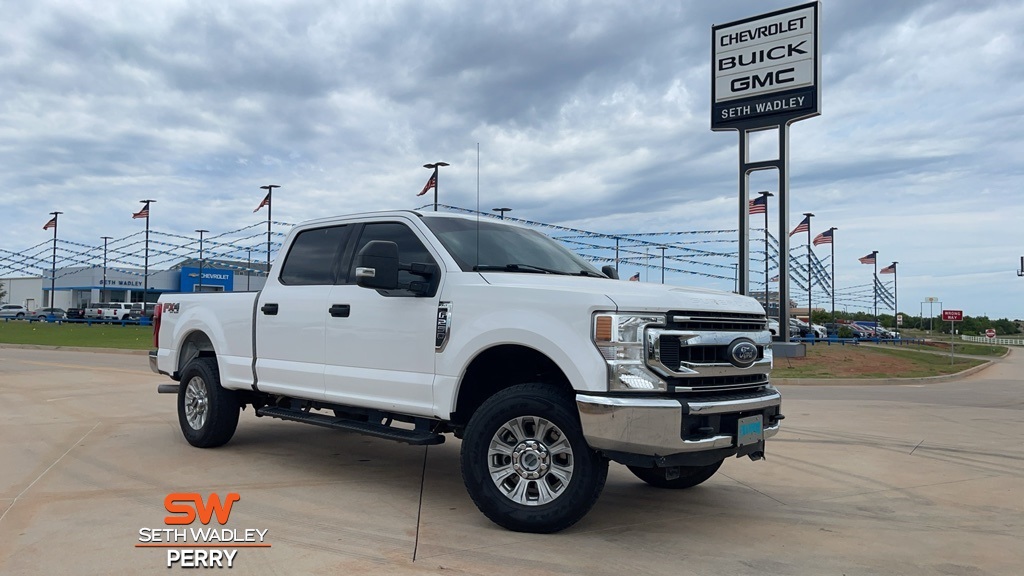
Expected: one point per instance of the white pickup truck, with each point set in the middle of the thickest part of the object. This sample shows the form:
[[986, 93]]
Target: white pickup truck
[[408, 325]]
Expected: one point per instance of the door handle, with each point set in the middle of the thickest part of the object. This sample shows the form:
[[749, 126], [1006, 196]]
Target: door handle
[[269, 309], [340, 310]]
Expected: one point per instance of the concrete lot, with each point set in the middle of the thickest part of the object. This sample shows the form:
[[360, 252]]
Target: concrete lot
[[909, 479]]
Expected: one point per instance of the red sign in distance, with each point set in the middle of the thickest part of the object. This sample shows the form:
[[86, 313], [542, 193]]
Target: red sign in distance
[[952, 315], [991, 333]]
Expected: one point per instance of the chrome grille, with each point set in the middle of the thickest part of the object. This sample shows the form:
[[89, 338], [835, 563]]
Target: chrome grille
[[716, 321], [693, 351]]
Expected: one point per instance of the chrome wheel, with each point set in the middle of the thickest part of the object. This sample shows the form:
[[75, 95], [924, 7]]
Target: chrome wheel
[[530, 461], [197, 402]]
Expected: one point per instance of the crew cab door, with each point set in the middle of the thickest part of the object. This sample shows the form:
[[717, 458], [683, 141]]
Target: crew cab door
[[380, 344], [292, 312]]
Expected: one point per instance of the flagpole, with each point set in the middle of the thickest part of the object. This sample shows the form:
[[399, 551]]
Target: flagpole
[[53, 266], [145, 269], [833, 243], [808, 215], [765, 194], [270, 207], [874, 286], [895, 297], [434, 177]]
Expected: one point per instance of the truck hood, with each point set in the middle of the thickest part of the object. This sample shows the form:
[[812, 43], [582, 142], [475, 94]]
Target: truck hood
[[631, 296]]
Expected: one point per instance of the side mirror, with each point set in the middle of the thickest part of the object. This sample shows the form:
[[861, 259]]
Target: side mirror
[[377, 265], [610, 271]]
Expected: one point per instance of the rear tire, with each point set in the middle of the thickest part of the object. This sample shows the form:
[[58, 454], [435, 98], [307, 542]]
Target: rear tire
[[525, 461], [676, 477], [207, 413]]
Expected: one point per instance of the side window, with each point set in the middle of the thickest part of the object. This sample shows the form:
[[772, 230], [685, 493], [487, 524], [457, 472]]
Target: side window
[[410, 249], [313, 257]]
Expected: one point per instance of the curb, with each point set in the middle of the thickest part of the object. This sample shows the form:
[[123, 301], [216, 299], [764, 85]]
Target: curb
[[74, 349], [879, 381]]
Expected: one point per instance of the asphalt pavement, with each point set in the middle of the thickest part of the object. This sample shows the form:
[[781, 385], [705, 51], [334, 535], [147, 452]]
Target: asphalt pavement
[[911, 478]]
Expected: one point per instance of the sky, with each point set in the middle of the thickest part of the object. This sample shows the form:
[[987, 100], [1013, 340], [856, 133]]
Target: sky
[[588, 115]]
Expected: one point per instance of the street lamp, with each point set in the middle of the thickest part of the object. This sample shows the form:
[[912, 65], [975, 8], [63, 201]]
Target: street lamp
[[103, 286], [433, 178], [502, 211], [201, 232]]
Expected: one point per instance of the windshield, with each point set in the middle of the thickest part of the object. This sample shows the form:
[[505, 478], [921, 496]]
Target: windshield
[[492, 246]]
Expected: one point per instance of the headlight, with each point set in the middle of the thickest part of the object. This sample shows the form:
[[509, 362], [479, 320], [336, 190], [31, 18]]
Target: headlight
[[620, 339]]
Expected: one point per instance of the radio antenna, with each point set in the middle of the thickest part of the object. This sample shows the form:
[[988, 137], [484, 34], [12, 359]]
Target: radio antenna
[[477, 204]]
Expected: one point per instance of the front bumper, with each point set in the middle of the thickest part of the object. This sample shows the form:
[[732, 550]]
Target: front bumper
[[662, 427]]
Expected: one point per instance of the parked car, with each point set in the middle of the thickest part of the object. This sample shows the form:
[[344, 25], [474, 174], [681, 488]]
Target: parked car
[[13, 311], [45, 313], [137, 310], [799, 328], [75, 313], [108, 311], [773, 326]]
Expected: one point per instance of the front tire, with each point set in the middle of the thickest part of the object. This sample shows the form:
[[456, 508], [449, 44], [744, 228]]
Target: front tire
[[525, 461], [207, 413], [676, 477]]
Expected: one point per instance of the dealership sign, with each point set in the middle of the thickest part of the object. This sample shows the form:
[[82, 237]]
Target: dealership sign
[[765, 69]]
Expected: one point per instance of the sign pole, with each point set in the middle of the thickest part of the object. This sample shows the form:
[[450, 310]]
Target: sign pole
[[952, 329]]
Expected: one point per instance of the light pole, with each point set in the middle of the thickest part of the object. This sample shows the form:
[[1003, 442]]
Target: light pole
[[103, 286], [502, 211], [766, 195], [662, 248], [201, 232], [53, 268], [810, 305], [270, 207], [433, 178]]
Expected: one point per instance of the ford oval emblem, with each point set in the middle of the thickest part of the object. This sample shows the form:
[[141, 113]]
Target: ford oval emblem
[[742, 353]]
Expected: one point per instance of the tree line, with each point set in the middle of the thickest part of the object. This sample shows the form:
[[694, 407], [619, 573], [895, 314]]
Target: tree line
[[971, 325]]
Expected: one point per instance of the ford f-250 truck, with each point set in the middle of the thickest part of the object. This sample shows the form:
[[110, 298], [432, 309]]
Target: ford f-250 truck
[[408, 326]]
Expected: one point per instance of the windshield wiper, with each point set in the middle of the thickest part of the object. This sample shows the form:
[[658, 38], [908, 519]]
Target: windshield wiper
[[592, 274], [517, 268]]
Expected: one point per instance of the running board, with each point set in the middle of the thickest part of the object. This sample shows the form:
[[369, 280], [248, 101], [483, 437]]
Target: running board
[[416, 437]]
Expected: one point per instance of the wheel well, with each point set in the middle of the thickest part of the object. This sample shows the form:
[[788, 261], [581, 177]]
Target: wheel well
[[194, 345], [498, 368]]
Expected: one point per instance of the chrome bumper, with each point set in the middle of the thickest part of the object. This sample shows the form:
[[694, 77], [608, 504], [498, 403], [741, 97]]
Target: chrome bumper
[[652, 426]]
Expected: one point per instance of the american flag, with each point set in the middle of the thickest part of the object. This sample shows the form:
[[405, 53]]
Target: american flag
[[635, 277], [144, 213], [823, 238], [266, 202], [758, 205], [890, 269], [51, 224], [803, 226], [869, 259], [431, 183]]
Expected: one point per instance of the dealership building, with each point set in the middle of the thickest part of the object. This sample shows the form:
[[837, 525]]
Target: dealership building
[[76, 287]]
